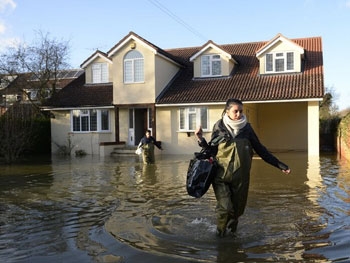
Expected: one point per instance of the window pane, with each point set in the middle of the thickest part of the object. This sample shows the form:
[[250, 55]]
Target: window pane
[[138, 70], [131, 118], [182, 119], [279, 65], [104, 120], [96, 73], [205, 65], [104, 73], [269, 64], [150, 118], [84, 123], [93, 120], [204, 118], [290, 61], [216, 68], [192, 121], [133, 54], [76, 123], [127, 71]]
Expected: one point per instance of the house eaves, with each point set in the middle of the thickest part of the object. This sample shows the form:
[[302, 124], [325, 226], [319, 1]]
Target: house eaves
[[278, 38], [211, 45], [140, 41], [244, 102], [97, 54], [47, 108]]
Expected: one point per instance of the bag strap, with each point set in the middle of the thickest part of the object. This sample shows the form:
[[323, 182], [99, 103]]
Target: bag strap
[[217, 140]]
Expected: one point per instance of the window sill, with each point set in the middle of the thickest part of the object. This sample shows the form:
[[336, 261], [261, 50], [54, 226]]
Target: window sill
[[89, 132], [190, 132]]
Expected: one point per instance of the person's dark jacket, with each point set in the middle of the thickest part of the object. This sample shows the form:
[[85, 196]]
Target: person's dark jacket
[[150, 139], [220, 130]]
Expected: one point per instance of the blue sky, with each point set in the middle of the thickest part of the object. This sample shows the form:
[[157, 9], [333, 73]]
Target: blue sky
[[89, 25]]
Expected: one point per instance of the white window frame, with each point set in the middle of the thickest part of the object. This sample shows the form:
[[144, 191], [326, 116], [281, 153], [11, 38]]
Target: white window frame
[[33, 94], [210, 63], [134, 68], [87, 113], [99, 73], [191, 118], [283, 57]]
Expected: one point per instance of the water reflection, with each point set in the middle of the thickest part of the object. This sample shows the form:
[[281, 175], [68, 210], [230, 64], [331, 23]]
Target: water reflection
[[118, 210]]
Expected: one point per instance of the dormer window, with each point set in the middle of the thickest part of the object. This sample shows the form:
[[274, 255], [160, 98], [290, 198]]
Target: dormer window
[[211, 65], [99, 73], [279, 62]]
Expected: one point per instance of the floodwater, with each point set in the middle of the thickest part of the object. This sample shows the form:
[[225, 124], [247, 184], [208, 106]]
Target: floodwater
[[115, 209]]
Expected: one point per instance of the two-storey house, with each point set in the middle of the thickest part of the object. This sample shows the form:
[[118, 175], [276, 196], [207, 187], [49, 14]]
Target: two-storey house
[[137, 86]]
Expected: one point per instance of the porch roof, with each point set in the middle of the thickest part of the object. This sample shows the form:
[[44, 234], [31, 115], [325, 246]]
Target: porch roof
[[78, 94]]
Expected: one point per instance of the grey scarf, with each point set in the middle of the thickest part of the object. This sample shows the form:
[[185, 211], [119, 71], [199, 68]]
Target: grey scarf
[[234, 126]]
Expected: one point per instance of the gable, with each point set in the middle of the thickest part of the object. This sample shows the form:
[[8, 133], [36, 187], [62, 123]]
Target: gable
[[95, 66], [280, 55], [211, 56]]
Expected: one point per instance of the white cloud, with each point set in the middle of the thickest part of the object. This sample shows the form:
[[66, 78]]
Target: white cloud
[[347, 4], [8, 42], [7, 3], [2, 28]]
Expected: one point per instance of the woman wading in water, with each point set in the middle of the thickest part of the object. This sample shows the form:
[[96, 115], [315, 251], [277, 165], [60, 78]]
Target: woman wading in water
[[236, 141]]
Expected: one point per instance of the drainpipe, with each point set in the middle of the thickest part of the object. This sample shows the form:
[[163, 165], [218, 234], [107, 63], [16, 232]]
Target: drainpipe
[[116, 124]]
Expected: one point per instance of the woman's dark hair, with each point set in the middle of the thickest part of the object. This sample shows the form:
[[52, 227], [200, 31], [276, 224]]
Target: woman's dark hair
[[230, 103]]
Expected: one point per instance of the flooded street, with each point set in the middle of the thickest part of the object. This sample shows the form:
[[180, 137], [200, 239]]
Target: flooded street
[[115, 209]]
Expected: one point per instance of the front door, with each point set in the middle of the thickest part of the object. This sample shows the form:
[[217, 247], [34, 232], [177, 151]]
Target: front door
[[138, 124]]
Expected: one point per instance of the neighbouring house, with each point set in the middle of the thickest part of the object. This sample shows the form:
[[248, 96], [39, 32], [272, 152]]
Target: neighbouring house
[[24, 87], [137, 86]]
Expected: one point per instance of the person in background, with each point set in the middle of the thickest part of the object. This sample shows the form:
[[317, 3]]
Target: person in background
[[234, 141], [147, 144]]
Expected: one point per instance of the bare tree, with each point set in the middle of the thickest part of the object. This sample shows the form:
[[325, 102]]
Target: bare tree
[[26, 68], [41, 61]]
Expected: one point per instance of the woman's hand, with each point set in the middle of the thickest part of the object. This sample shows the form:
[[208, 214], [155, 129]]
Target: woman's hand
[[286, 171], [199, 133]]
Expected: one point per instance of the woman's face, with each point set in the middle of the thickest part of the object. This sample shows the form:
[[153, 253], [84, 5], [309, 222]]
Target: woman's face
[[235, 112]]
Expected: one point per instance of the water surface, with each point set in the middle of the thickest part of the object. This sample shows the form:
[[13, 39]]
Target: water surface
[[116, 209]]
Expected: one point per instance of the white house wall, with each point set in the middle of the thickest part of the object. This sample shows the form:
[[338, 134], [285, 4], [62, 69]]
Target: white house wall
[[87, 141], [165, 71], [313, 128], [283, 126], [133, 93], [178, 142], [279, 126], [123, 124]]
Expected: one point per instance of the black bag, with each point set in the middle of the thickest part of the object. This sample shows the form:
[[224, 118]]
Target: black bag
[[200, 174]]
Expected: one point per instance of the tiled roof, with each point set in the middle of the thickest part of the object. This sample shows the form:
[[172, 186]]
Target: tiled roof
[[29, 81], [78, 94], [245, 83]]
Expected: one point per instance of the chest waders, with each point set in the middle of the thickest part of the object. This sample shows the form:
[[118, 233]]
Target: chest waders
[[231, 182], [148, 153]]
